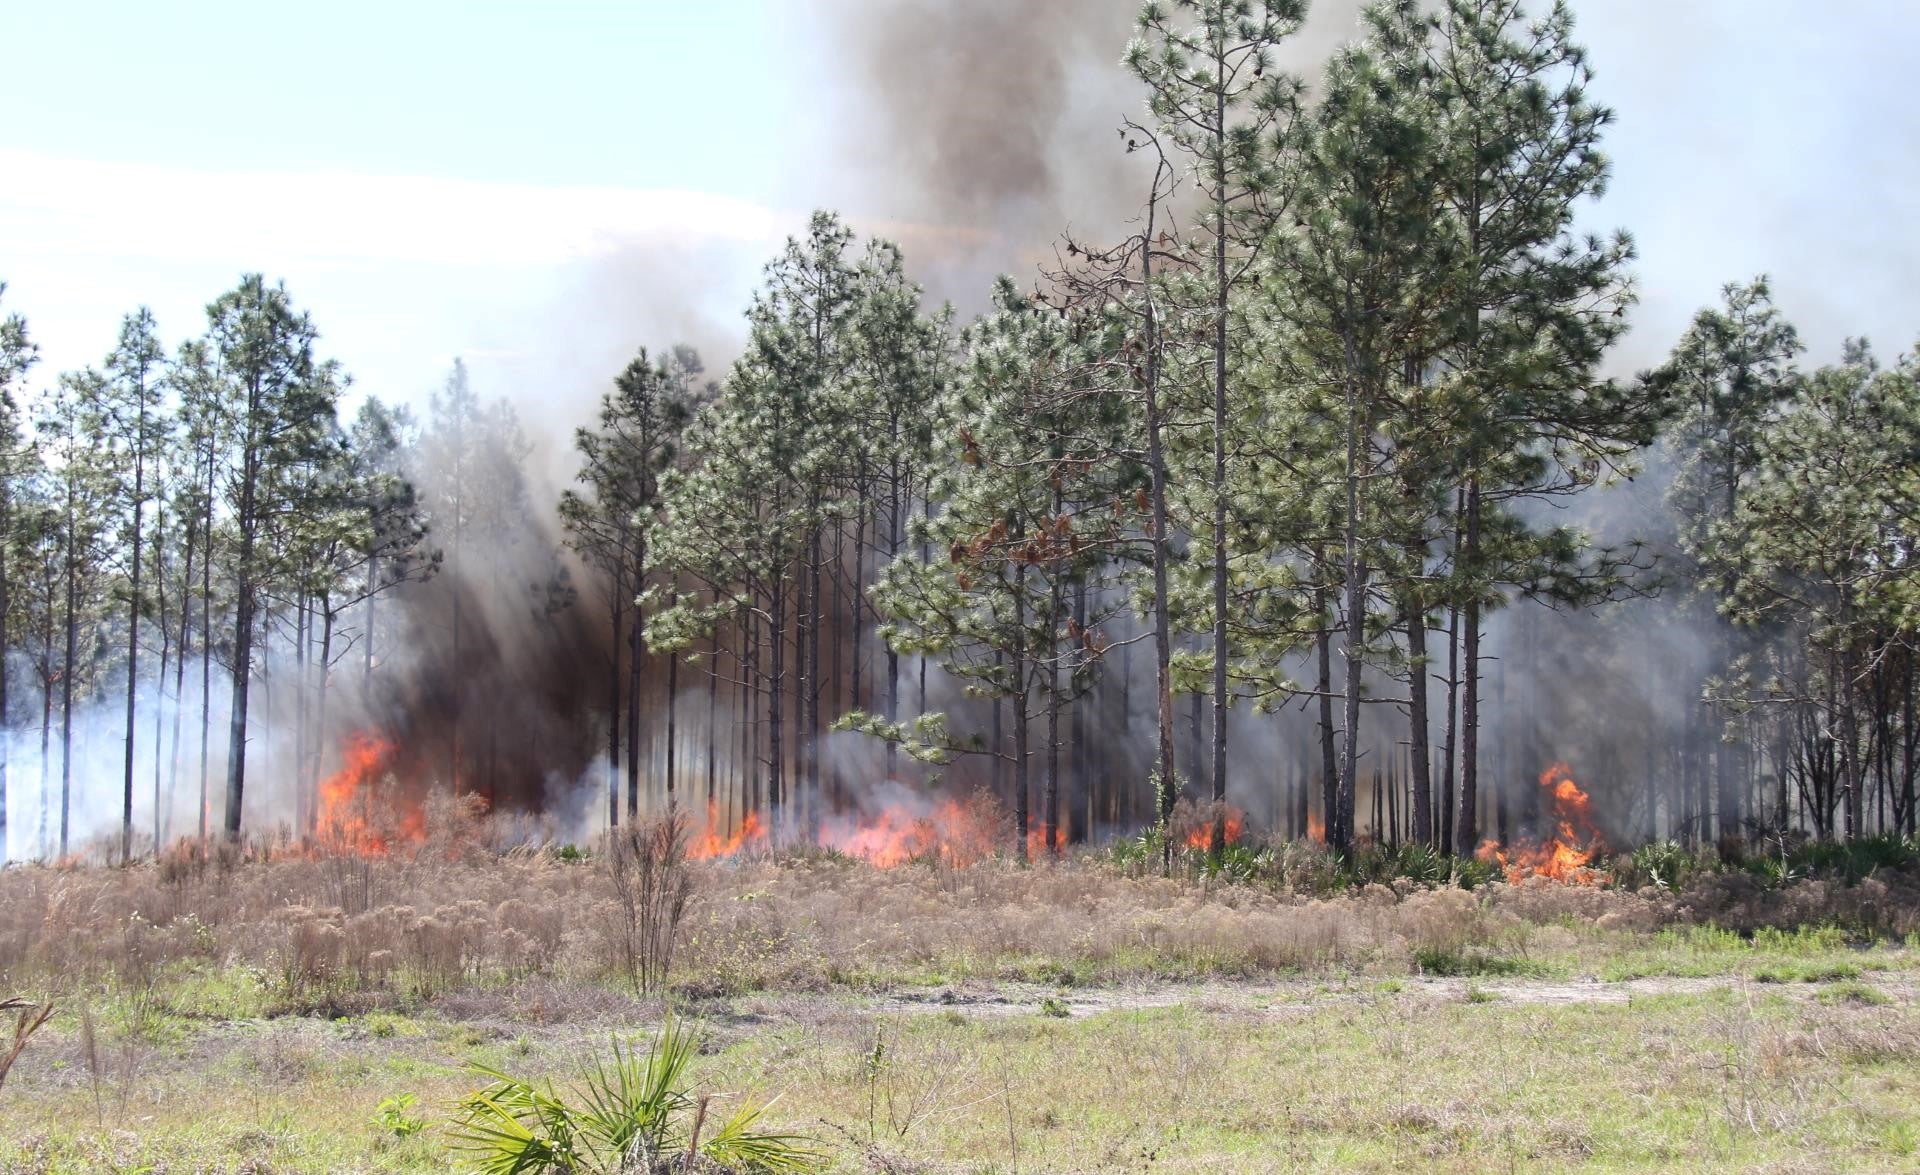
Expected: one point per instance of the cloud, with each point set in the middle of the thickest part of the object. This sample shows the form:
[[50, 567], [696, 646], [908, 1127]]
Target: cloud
[[57, 207]]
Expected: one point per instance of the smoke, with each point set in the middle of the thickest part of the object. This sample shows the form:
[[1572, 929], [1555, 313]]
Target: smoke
[[978, 133]]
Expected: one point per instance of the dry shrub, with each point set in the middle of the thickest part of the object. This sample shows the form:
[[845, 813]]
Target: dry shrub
[[426, 924], [646, 864]]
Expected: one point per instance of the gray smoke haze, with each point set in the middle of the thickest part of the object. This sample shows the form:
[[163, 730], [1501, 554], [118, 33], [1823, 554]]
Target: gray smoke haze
[[978, 133]]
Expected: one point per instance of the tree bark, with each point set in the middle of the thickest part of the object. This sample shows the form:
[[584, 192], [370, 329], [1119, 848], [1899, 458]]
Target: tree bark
[[1467, 827]]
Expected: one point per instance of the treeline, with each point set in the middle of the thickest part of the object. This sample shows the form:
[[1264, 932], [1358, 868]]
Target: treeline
[[1292, 455], [196, 548], [1297, 439]]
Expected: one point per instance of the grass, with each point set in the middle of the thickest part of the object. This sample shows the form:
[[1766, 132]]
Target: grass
[[1677, 1082], [247, 1021]]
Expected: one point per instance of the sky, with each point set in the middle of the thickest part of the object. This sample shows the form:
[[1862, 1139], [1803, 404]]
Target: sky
[[539, 188]]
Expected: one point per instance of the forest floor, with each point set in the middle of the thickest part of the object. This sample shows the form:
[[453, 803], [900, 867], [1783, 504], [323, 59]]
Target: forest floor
[[1671, 1051]]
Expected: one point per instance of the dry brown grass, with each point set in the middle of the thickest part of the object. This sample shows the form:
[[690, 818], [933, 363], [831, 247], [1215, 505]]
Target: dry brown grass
[[328, 931]]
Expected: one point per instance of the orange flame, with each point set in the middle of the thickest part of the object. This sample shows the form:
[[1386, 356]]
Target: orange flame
[[1199, 835], [353, 816], [951, 832], [1568, 855], [714, 840], [1316, 829]]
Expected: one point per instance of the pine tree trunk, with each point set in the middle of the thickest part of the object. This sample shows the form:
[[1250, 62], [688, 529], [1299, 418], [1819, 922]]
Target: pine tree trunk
[[673, 690], [1467, 827], [636, 663], [1444, 809], [713, 711], [1418, 767], [206, 656], [244, 605], [855, 700], [1355, 635], [1050, 818], [814, 624], [1323, 684], [1217, 840], [133, 630], [6, 644], [68, 665], [1019, 699], [185, 650], [776, 687], [617, 616], [894, 510]]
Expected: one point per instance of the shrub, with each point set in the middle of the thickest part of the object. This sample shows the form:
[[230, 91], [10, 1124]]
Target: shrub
[[1662, 865], [633, 1114], [647, 865]]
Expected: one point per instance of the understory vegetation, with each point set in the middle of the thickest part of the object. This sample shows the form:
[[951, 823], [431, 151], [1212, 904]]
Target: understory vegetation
[[346, 1013]]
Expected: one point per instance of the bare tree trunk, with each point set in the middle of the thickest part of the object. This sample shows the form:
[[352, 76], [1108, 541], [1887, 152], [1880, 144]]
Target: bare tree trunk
[[1020, 815], [1356, 628], [713, 712], [776, 686], [6, 712], [133, 625], [1218, 839], [1418, 767], [1445, 809], [1323, 684], [673, 690], [1161, 553], [206, 655], [1467, 827], [636, 662], [617, 612], [68, 665]]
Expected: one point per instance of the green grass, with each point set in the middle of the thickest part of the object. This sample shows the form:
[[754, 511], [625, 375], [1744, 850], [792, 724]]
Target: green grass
[[1358, 1077]]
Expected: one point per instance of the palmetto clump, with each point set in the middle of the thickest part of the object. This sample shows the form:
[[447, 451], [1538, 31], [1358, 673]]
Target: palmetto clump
[[633, 1114]]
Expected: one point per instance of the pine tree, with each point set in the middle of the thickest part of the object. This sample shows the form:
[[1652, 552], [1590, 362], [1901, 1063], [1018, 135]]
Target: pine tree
[[281, 402], [18, 354], [134, 429], [638, 435], [1029, 514], [69, 420], [1822, 540], [1727, 379], [1534, 306], [1219, 100]]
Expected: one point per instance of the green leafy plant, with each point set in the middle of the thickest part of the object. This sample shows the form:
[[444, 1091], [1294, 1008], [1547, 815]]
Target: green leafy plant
[[1055, 1007], [394, 1116], [633, 1113]]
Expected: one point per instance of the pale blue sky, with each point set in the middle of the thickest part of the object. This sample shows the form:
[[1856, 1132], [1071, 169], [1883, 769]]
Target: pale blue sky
[[541, 187], [640, 93]]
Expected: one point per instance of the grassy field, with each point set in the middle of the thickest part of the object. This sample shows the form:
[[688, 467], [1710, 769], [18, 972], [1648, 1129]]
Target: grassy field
[[1062, 1019]]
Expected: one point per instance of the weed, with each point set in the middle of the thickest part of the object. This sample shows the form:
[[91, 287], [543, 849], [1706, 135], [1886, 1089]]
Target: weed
[[1852, 992], [1055, 1007], [395, 1117]]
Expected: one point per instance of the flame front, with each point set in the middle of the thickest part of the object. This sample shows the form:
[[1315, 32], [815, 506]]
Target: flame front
[[357, 814], [1568, 855], [1199, 835], [950, 832], [714, 840]]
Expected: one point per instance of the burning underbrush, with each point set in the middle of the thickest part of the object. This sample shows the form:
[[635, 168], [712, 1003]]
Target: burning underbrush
[[1569, 853], [458, 914]]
